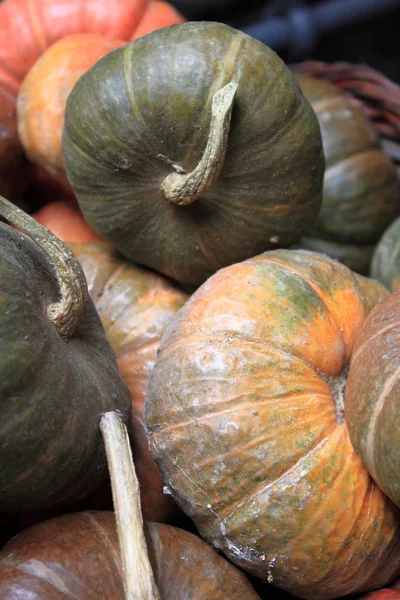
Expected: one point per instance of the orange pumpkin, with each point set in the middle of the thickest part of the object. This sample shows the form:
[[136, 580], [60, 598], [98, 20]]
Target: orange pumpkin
[[135, 305], [373, 396], [246, 421], [44, 92]]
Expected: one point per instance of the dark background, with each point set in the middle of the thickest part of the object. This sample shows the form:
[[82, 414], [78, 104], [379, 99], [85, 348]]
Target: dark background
[[374, 41]]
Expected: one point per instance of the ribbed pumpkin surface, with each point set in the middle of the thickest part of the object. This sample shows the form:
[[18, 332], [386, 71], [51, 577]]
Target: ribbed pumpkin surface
[[76, 557], [245, 412], [373, 396], [52, 391], [361, 195], [385, 264], [147, 106]]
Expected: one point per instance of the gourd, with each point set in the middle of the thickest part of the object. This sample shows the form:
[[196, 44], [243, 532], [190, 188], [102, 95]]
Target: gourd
[[246, 421], [192, 148], [44, 93], [373, 395], [135, 305], [57, 372], [385, 265], [361, 194], [78, 555]]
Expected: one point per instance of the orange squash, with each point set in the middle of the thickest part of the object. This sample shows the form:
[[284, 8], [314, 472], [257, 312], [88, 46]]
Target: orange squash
[[373, 396], [246, 421], [44, 92], [135, 305]]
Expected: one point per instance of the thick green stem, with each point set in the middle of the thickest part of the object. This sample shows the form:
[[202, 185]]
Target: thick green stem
[[139, 582], [185, 188], [66, 313]]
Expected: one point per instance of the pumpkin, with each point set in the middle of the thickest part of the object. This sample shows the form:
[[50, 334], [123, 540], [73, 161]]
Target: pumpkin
[[191, 148], [44, 92], [28, 28], [76, 557], [385, 265], [135, 305], [57, 372], [245, 415], [373, 395], [361, 194]]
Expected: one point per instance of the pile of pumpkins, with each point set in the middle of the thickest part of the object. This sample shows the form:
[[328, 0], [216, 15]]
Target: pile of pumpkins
[[219, 266]]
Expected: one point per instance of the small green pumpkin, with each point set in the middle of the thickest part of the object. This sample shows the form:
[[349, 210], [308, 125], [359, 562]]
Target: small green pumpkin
[[361, 194], [57, 372], [385, 265], [193, 148]]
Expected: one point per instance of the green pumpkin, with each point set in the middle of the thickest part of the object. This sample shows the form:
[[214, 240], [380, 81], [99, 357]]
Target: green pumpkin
[[361, 194], [385, 265], [193, 148], [57, 375]]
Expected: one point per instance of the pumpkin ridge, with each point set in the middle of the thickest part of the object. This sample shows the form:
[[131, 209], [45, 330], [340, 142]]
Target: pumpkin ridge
[[248, 340], [128, 68], [101, 533], [272, 210], [292, 120], [50, 577], [45, 458], [210, 415], [196, 485], [37, 30], [238, 450], [228, 61], [373, 420], [262, 488], [331, 171], [315, 287], [364, 346], [206, 253]]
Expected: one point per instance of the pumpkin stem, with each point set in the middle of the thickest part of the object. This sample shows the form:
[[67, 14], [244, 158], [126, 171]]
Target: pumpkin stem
[[66, 313], [185, 188], [139, 582]]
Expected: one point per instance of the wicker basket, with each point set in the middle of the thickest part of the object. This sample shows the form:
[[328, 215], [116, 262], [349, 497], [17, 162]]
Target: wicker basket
[[378, 96]]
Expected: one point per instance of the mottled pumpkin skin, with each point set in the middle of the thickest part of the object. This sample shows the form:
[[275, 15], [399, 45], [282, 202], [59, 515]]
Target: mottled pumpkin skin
[[361, 194], [385, 265], [135, 306], [373, 396], [244, 426], [153, 97], [76, 556], [52, 391]]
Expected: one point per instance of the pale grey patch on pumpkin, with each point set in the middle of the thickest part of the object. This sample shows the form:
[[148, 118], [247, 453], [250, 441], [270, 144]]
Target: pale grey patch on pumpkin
[[43, 572]]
